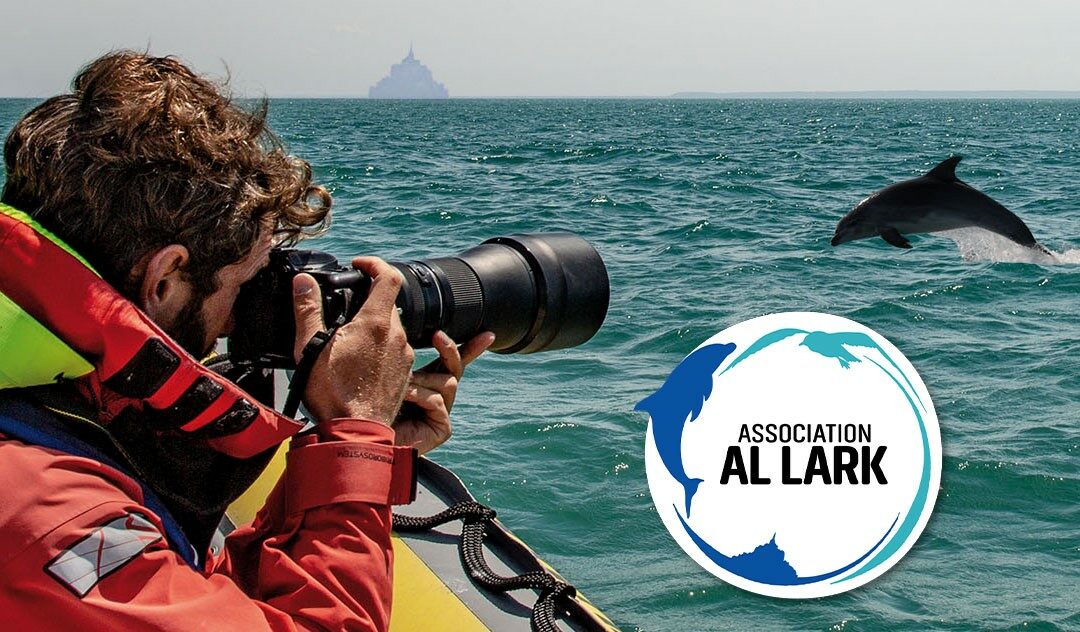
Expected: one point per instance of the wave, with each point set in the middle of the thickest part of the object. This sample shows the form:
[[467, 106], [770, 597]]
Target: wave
[[979, 244]]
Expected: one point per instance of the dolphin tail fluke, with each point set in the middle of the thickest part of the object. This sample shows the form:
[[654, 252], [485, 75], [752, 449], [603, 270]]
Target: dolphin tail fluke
[[691, 489]]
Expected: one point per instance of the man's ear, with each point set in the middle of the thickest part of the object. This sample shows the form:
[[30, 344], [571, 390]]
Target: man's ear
[[165, 290]]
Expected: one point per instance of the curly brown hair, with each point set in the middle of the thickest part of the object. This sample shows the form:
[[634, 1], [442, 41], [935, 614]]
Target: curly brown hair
[[144, 153]]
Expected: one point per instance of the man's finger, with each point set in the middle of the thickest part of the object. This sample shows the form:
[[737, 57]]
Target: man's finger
[[442, 382], [307, 309], [472, 349], [449, 356], [455, 361], [385, 283], [425, 398]]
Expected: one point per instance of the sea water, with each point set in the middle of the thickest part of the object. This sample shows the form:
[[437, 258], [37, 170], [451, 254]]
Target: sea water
[[708, 213]]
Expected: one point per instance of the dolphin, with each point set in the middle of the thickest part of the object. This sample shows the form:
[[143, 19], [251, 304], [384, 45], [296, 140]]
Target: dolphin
[[933, 202], [679, 400]]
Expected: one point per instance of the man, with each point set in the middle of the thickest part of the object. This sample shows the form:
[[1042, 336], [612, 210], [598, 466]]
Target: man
[[134, 209]]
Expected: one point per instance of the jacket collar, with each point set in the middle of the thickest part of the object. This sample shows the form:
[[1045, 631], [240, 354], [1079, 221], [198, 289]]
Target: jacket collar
[[64, 322]]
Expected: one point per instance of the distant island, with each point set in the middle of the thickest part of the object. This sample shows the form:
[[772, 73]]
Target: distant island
[[886, 94], [408, 80]]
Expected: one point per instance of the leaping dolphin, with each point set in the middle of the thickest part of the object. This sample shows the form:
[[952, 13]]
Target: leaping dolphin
[[934, 202], [678, 401]]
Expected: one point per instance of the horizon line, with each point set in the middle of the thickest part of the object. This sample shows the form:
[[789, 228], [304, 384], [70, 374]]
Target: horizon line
[[706, 95]]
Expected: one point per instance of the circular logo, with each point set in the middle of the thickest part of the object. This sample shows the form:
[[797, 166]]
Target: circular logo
[[794, 455]]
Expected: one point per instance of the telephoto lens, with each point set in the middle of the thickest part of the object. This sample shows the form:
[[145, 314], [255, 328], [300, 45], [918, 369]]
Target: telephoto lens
[[536, 292]]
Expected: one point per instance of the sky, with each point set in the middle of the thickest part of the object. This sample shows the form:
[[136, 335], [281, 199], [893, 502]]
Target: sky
[[549, 48]]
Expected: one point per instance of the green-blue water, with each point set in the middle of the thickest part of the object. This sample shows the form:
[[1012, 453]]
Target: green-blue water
[[712, 212]]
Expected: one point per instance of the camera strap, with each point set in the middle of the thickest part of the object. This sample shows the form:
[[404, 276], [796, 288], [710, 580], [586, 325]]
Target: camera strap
[[302, 373]]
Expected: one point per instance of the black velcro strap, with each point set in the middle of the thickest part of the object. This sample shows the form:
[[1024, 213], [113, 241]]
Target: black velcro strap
[[236, 418], [145, 373], [190, 403], [302, 373]]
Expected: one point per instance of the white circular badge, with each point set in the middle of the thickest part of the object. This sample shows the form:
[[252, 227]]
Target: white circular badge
[[794, 455]]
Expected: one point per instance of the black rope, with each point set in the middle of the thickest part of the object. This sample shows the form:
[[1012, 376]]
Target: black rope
[[416, 524], [543, 615], [476, 518]]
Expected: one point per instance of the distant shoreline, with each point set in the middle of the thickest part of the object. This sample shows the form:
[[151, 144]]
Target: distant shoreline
[[855, 95], [887, 94]]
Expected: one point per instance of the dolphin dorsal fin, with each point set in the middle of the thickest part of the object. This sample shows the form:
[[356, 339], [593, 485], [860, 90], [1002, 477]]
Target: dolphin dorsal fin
[[946, 170]]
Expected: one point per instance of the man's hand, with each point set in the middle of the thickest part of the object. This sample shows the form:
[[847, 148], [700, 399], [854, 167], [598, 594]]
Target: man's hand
[[424, 421], [363, 370]]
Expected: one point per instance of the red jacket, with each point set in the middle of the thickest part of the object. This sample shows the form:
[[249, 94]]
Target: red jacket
[[81, 552], [80, 548]]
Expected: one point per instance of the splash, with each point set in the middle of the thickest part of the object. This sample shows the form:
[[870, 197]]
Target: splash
[[979, 244]]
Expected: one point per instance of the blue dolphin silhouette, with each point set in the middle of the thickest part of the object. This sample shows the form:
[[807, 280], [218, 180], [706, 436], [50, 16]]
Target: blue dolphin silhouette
[[679, 400]]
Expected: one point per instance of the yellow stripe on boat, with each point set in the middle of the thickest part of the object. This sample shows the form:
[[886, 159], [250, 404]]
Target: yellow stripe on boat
[[422, 601]]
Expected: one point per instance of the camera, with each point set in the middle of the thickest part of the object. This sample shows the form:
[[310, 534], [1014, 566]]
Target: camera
[[536, 292]]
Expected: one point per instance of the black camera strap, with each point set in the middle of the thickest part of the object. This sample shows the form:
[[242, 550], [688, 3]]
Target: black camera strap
[[302, 373]]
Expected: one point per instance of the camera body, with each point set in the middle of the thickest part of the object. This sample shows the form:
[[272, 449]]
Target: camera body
[[266, 327], [534, 291]]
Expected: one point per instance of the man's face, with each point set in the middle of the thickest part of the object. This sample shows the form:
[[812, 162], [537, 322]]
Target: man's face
[[206, 318]]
